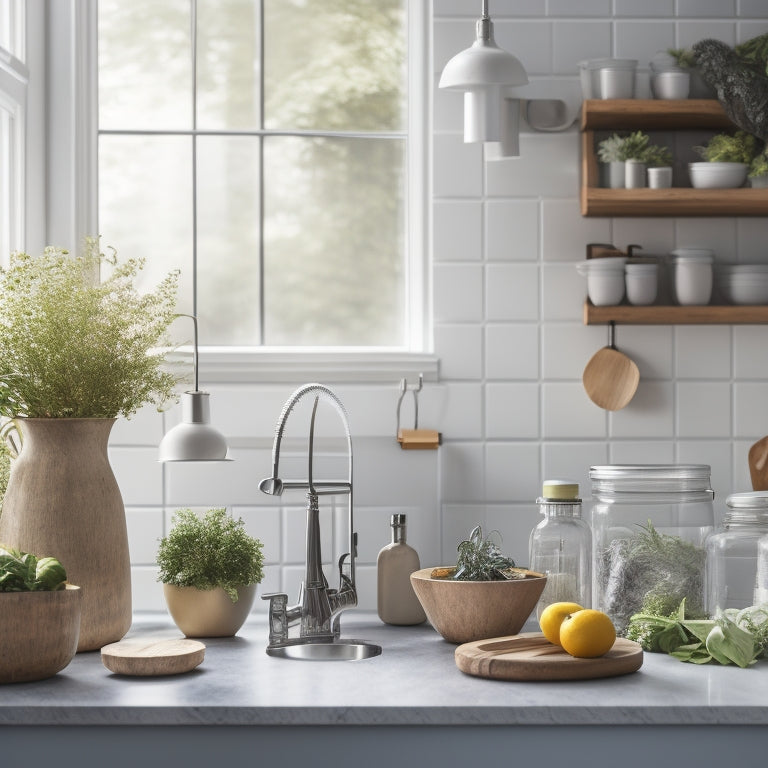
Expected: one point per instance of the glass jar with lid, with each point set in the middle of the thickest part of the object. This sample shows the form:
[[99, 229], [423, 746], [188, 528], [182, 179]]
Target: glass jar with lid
[[650, 523], [560, 546], [732, 553]]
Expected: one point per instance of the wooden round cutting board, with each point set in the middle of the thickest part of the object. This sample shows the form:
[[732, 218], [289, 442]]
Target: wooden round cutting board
[[147, 658], [530, 656]]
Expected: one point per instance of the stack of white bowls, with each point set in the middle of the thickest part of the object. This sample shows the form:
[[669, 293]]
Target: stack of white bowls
[[605, 279], [693, 275], [744, 283], [717, 175], [608, 78]]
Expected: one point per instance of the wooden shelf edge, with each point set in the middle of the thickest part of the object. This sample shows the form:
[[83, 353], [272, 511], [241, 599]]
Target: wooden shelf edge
[[625, 314], [677, 201], [631, 114]]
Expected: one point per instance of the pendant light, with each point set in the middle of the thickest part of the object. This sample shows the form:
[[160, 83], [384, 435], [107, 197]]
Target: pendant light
[[483, 71], [194, 439]]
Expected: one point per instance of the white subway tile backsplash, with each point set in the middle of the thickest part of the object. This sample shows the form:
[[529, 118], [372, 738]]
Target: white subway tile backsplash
[[512, 230], [462, 472], [757, 8], [512, 472], [716, 453], [264, 524], [514, 522], [458, 293], [458, 522], [750, 409], [575, 41], [457, 233], [146, 590], [690, 32], [749, 358], [572, 460], [655, 236], [703, 409], [567, 347], [462, 417], [649, 346], [565, 232], [512, 351], [531, 42], [145, 427], [564, 292], [703, 352], [746, 30], [548, 166], [460, 349], [650, 413], [569, 413], [145, 529], [641, 39], [582, 8], [138, 473], [752, 237], [642, 452], [458, 167], [644, 8], [716, 233], [511, 292], [511, 411], [706, 8]]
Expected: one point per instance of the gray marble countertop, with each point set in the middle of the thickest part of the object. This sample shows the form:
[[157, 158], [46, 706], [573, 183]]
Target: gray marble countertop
[[413, 682]]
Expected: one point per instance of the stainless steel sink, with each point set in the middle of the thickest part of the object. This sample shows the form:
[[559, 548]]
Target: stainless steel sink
[[340, 650]]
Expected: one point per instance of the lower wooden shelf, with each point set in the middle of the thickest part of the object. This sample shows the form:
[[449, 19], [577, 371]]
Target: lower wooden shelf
[[626, 314]]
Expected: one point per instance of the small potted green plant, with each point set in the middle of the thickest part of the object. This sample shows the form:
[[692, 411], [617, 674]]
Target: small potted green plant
[[727, 158], [41, 616], [210, 568]]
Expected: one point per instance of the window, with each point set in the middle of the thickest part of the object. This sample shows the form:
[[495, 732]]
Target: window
[[267, 150], [13, 98]]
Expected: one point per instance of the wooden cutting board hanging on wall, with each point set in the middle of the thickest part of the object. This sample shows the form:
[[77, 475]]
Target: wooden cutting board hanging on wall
[[758, 465]]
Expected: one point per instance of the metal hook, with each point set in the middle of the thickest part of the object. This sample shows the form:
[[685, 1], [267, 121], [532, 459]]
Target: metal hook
[[415, 391]]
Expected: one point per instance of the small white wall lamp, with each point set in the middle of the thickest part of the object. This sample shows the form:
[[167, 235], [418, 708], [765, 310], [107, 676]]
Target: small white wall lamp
[[194, 439], [484, 71]]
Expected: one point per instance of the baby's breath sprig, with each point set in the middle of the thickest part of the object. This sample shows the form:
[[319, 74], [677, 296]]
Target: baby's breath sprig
[[76, 342]]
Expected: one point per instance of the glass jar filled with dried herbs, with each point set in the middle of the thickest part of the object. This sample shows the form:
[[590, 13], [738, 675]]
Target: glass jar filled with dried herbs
[[649, 526]]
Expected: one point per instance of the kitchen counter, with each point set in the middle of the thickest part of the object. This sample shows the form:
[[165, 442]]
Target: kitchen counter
[[249, 698]]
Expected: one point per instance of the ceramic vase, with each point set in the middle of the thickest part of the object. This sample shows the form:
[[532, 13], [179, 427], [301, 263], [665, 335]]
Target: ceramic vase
[[63, 501]]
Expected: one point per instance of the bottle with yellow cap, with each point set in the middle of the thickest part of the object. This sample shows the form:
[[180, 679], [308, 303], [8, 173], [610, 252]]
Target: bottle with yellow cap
[[561, 546]]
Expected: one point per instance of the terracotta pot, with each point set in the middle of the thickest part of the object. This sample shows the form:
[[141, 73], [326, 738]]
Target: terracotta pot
[[40, 633], [208, 612], [63, 501]]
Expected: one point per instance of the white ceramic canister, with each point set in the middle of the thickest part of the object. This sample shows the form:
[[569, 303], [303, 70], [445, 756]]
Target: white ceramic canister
[[634, 174], [617, 82], [605, 279], [642, 283], [670, 84], [693, 275], [660, 178]]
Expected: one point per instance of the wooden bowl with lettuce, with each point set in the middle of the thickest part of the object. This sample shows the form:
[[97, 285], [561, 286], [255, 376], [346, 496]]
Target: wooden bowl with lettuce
[[41, 617]]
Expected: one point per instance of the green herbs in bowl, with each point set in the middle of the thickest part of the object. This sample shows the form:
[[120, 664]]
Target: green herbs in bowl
[[23, 572]]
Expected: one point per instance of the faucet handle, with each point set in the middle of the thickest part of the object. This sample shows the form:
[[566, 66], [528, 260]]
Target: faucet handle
[[278, 616]]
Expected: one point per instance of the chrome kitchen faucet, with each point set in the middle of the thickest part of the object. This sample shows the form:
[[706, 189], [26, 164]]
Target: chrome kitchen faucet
[[317, 613]]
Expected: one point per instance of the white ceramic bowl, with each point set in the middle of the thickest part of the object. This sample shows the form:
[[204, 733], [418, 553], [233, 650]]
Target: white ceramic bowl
[[589, 72], [744, 283], [717, 175], [605, 280], [693, 279], [745, 291]]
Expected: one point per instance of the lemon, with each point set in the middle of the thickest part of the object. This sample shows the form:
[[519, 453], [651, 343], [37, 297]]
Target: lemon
[[587, 634], [552, 617]]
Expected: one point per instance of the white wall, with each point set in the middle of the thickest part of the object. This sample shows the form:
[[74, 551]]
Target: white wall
[[508, 330]]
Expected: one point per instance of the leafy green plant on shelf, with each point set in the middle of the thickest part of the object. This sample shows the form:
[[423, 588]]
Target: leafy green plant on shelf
[[741, 147], [210, 551], [24, 572], [633, 146]]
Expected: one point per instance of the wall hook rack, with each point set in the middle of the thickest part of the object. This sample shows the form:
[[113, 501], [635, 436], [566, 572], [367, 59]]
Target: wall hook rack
[[415, 439]]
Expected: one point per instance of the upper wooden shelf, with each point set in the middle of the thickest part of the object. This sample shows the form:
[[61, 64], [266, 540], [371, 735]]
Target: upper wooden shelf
[[649, 114], [675, 315], [645, 114]]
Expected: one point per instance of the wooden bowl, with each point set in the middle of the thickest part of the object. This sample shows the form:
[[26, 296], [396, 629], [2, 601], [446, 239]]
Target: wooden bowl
[[464, 611], [40, 632]]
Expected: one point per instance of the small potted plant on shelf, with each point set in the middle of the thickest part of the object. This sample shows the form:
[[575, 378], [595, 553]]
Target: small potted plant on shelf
[[758, 170], [210, 568], [609, 152], [727, 158], [658, 160]]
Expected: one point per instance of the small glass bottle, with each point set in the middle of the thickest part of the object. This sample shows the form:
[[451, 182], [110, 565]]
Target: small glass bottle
[[560, 546], [732, 553], [396, 601]]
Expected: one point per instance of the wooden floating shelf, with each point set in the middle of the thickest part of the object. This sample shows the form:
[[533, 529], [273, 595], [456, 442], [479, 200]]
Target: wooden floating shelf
[[657, 114], [675, 315], [653, 114]]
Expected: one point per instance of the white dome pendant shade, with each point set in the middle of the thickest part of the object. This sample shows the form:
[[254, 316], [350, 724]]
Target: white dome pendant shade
[[194, 439], [483, 72]]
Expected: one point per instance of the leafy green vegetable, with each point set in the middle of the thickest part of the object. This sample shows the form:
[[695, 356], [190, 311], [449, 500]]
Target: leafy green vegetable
[[732, 637], [724, 148], [23, 572], [209, 552], [480, 559]]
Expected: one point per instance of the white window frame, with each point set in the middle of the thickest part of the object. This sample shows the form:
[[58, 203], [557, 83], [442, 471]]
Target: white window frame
[[73, 207]]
